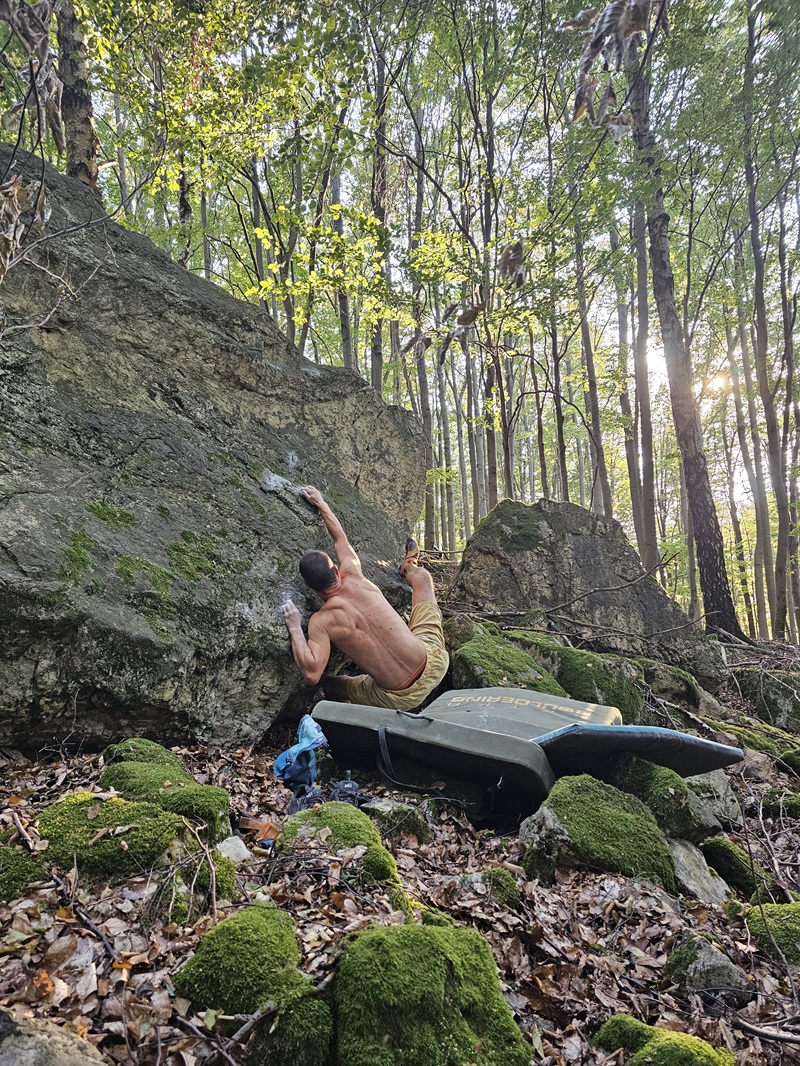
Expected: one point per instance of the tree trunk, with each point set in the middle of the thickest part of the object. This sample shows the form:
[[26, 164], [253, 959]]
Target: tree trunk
[[447, 450], [491, 437], [631, 451], [342, 299], [379, 206], [561, 443], [737, 533], [539, 421], [650, 553], [717, 599], [462, 459], [76, 99], [592, 400]]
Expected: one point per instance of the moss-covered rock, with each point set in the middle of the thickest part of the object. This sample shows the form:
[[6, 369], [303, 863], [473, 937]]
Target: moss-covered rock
[[302, 1035], [398, 818], [416, 994], [18, 869], [776, 928], [137, 749], [249, 958], [697, 965], [108, 839], [774, 694], [734, 865], [589, 824], [175, 791], [791, 759], [663, 792], [503, 887], [349, 827], [487, 661], [584, 675], [757, 735], [778, 803], [650, 1046]]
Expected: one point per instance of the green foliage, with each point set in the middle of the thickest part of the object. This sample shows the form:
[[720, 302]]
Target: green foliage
[[412, 994], [249, 959]]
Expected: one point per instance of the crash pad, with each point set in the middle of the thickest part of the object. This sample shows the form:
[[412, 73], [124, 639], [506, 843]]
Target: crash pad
[[513, 741]]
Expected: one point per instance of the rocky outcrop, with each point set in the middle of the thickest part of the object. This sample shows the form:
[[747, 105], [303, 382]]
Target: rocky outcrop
[[26, 1041], [555, 566], [155, 434]]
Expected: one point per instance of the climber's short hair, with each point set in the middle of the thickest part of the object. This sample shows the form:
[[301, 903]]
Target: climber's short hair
[[317, 570]]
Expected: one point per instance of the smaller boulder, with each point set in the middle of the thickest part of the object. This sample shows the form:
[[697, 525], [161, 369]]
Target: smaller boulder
[[735, 866], [667, 795], [776, 928], [488, 660], [649, 1046], [395, 819], [714, 790], [28, 1041], [338, 826], [247, 960], [693, 876], [592, 825], [696, 965], [235, 849]]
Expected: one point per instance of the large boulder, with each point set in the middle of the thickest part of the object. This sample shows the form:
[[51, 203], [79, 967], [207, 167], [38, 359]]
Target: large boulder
[[27, 1041], [155, 435], [555, 566]]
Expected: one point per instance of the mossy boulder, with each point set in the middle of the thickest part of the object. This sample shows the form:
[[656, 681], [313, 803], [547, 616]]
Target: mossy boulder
[[751, 733], [666, 795], [396, 819], [341, 825], [649, 1046], [247, 960], [185, 893], [735, 866], [489, 661], [774, 694], [776, 928], [585, 823], [502, 886], [106, 838], [301, 1035], [791, 760], [413, 994], [778, 803], [174, 790], [584, 675], [697, 965], [559, 567], [138, 749], [18, 869]]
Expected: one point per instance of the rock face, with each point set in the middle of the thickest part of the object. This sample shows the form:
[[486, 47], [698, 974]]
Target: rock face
[[155, 432], [557, 566]]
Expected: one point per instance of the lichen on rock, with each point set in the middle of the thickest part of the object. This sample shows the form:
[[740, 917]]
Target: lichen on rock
[[596, 827], [91, 832], [648, 1045], [415, 994], [247, 960], [347, 827]]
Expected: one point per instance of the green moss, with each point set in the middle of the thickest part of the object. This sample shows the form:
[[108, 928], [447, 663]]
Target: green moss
[[734, 865], [586, 676], [404, 819], [649, 1046], [163, 510], [128, 567], [769, 739], [175, 791], [302, 1036], [18, 869], [423, 994], [776, 928], [247, 960], [77, 557], [112, 516], [458, 630], [608, 829], [70, 827], [193, 556], [663, 791], [225, 883], [780, 803], [349, 828], [433, 916], [791, 760], [502, 886], [137, 749], [487, 662]]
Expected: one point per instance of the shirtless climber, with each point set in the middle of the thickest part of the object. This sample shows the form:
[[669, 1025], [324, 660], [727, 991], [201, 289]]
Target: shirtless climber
[[402, 663]]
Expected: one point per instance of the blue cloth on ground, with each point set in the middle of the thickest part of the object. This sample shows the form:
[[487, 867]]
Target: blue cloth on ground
[[298, 765]]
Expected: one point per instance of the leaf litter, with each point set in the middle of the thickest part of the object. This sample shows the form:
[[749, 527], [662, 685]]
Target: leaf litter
[[100, 962]]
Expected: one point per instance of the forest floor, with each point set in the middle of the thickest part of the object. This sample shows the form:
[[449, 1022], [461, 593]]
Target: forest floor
[[568, 957]]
